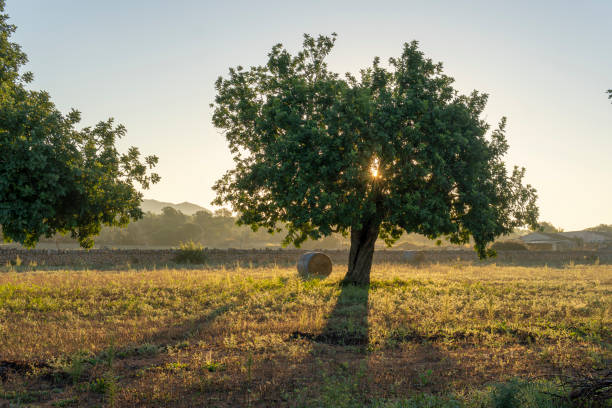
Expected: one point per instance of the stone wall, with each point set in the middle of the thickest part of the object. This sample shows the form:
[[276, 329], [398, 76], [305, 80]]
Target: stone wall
[[107, 258]]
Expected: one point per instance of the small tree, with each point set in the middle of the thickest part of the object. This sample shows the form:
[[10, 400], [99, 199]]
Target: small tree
[[396, 150], [53, 177], [609, 93], [548, 227]]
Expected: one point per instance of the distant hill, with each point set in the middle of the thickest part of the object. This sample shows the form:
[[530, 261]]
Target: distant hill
[[155, 207]]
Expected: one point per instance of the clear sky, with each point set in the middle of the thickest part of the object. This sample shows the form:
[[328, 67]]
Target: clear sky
[[152, 64]]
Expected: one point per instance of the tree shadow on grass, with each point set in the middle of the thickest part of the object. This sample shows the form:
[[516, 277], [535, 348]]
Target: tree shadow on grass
[[170, 335], [126, 358], [347, 324], [335, 370]]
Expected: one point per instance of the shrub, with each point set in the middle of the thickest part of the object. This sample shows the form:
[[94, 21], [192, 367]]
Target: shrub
[[521, 393], [107, 385], [418, 401], [190, 252], [147, 349], [17, 261]]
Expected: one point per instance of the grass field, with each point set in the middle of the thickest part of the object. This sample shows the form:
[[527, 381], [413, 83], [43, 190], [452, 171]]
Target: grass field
[[431, 336]]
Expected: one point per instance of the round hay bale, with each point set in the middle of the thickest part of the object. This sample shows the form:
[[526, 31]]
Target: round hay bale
[[314, 264]]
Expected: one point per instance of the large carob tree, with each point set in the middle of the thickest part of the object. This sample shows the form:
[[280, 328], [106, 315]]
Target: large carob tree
[[394, 150]]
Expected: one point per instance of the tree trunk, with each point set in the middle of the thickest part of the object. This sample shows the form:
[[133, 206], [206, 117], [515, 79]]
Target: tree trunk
[[361, 253]]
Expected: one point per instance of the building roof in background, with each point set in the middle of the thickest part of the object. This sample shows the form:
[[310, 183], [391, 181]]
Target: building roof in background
[[544, 237]]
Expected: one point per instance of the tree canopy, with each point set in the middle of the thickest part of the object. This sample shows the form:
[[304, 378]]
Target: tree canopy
[[54, 177], [394, 150]]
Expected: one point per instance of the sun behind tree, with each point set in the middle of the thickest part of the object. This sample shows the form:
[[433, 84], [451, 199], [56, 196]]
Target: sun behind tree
[[395, 150]]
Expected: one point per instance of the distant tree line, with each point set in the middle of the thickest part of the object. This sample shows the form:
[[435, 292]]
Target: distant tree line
[[213, 230], [601, 228], [550, 228], [172, 227], [219, 230]]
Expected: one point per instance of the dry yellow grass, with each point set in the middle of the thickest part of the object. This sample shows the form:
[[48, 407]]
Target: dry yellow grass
[[264, 337]]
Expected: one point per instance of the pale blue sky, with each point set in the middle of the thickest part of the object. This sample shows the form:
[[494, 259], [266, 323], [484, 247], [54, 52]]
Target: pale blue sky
[[151, 65]]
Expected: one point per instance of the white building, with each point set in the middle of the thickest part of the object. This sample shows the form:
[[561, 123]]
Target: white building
[[549, 241]]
